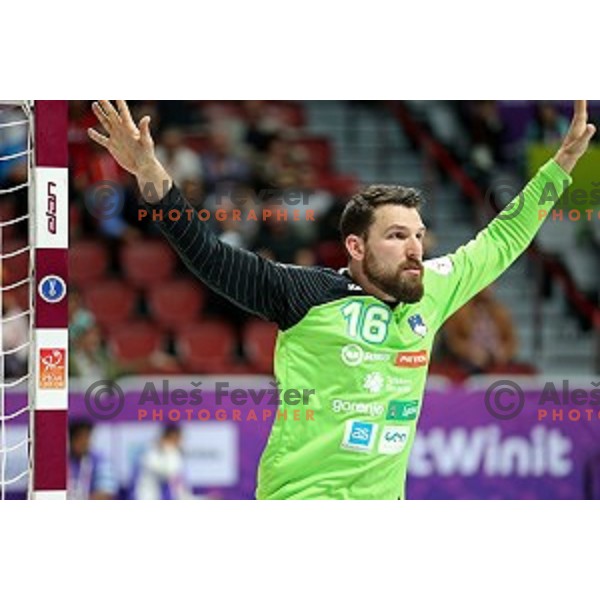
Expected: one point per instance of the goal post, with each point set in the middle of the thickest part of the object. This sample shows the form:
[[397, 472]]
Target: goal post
[[33, 299], [49, 233]]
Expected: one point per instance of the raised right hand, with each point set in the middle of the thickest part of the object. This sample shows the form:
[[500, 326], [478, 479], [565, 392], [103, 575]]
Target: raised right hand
[[132, 147]]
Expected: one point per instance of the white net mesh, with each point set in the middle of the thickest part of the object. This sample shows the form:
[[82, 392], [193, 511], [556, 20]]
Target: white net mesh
[[16, 324]]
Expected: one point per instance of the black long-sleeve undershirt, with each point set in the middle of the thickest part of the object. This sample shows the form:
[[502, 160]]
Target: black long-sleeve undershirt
[[273, 291]]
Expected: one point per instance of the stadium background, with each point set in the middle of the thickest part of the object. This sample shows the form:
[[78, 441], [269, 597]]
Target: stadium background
[[136, 314]]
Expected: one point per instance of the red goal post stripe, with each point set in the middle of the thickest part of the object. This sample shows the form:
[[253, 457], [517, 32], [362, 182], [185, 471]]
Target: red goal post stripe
[[49, 234]]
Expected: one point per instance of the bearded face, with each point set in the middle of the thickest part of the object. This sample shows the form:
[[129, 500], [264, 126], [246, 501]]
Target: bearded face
[[403, 281]]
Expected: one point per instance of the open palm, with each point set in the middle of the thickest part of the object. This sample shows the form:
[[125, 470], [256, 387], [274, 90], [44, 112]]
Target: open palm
[[130, 145]]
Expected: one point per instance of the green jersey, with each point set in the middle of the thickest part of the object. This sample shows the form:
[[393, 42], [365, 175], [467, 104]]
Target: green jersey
[[360, 362]]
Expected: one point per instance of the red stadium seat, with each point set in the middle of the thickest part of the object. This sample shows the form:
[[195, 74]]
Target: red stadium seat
[[217, 110], [199, 143], [135, 341], [332, 254], [88, 261], [176, 303], [207, 347], [147, 262], [341, 186], [259, 345], [112, 302], [285, 112]]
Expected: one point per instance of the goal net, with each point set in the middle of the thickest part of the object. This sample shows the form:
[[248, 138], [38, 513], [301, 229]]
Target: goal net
[[33, 299]]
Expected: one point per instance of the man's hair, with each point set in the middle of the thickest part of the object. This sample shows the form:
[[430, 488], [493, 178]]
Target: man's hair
[[359, 213], [170, 429], [79, 426]]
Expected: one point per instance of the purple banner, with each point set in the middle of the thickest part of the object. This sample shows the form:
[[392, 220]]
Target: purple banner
[[470, 445], [549, 450]]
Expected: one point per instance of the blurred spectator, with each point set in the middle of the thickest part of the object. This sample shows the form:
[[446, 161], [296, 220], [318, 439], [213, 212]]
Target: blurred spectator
[[220, 163], [276, 239], [80, 150], [481, 336], [81, 319], [592, 478], [90, 474], [234, 203], [88, 357], [161, 469], [178, 113], [182, 163], [548, 125], [314, 199], [275, 163], [260, 130], [13, 140], [487, 131]]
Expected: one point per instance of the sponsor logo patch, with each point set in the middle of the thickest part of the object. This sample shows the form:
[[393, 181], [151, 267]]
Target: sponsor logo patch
[[412, 360], [372, 409], [52, 368], [359, 436], [52, 288], [353, 356], [442, 265], [402, 410], [393, 439]]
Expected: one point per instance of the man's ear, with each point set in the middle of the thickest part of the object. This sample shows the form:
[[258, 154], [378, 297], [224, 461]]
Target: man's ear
[[355, 246]]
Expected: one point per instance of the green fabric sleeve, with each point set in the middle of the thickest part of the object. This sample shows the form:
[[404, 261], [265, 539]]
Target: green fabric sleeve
[[477, 264]]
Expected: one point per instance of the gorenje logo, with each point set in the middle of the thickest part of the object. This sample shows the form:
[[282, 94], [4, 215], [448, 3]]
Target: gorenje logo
[[371, 409], [411, 360], [51, 208], [402, 410]]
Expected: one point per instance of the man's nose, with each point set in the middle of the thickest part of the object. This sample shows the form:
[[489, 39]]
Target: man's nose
[[414, 249]]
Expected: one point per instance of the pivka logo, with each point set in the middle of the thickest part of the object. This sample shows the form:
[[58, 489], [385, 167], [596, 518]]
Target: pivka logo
[[52, 368]]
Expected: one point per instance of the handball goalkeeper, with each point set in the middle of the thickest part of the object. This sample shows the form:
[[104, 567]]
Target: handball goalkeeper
[[360, 337]]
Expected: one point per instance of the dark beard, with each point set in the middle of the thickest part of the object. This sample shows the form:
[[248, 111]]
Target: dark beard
[[396, 284]]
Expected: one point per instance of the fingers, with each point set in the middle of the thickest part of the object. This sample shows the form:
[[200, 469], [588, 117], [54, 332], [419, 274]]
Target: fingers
[[580, 116], [110, 112], [145, 138], [580, 110], [98, 138], [125, 114], [590, 130], [577, 128], [101, 116]]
